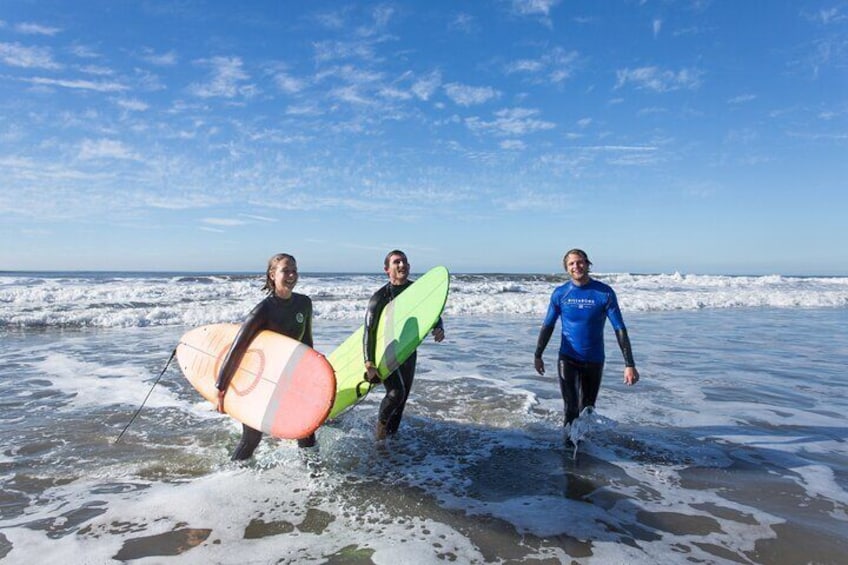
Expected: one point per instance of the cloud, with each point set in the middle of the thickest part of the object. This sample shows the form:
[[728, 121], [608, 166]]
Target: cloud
[[17, 55], [827, 16], [227, 80], [657, 26], [465, 95], [223, 222], [288, 83], [326, 51], [463, 22], [525, 66], [36, 29], [97, 70], [556, 65], [259, 218], [742, 98], [512, 145], [658, 80], [168, 59], [78, 84], [382, 15], [511, 122], [83, 52], [424, 87], [533, 7], [132, 104], [105, 149]]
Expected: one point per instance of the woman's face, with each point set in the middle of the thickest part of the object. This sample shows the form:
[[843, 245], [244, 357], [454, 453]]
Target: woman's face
[[284, 274]]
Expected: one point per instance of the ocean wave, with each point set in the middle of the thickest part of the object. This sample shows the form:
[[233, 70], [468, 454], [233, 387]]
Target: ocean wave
[[103, 300]]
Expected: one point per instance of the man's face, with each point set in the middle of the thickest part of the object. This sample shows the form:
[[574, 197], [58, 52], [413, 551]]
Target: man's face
[[577, 267], [398, 269]]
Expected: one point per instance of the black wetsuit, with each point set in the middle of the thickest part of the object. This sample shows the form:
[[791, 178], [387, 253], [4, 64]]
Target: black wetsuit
[[398, 383], [292, 318]]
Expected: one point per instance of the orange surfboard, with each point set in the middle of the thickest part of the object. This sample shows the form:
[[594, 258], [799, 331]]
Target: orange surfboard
[[282, 387]]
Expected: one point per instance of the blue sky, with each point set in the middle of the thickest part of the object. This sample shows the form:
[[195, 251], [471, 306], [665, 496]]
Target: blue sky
[[661, 136]]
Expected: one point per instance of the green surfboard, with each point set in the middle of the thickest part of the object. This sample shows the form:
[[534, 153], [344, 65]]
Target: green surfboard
[[404, 323]]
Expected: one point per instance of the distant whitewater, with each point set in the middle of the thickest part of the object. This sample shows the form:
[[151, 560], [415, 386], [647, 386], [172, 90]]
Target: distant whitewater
[[173, 299]]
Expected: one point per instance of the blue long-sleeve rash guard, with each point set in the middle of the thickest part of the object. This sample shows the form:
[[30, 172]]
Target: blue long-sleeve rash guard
[[583, 311]]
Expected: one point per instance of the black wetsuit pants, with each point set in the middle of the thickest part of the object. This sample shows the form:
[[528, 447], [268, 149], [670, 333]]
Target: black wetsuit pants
[[398, 385], [250, 440], [579, 382]]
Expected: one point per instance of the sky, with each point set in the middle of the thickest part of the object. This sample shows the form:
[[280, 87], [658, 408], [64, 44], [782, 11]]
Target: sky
[[661, 136]]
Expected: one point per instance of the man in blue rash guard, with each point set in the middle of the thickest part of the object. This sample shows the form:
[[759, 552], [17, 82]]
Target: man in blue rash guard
[[399, 383], [583, 306]]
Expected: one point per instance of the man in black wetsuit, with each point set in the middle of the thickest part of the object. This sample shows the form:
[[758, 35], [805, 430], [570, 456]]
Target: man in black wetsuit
[[399, 383]]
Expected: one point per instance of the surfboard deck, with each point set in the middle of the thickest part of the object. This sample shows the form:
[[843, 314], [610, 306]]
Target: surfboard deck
[[404, 323], [282, 387]]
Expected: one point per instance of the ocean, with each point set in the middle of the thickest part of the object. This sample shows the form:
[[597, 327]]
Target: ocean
[[731, 449]]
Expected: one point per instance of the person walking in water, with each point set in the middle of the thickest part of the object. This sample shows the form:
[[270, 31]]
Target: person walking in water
[[399, 382], [282, 311], [583, 306]]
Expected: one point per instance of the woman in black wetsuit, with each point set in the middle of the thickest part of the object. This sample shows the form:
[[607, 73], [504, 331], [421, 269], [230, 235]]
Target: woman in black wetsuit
[[282, 311]]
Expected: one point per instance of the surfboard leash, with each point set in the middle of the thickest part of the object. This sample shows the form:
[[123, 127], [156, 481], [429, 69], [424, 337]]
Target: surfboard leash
[[137, 412], [359, 393]]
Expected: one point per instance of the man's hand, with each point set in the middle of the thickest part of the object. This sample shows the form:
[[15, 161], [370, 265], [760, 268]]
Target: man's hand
[[540, 365], [631, 376], [438, 334], [372, 375]]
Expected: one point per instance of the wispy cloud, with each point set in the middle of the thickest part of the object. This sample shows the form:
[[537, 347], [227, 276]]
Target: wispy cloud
[[827, 16], [259, 218], [223, 222], [327, 51], [657, 27], [659, 80], [132, 104], [228, 80], [105, 149], [463, 22], [167, 59], [289, 84], [554, 66], [742, 99], [78, 84], [511, 121], [425, 86], [533, 7], [97, 70], [512, 145], [83, 51], [36, 29], [17, 55], [465, 95]]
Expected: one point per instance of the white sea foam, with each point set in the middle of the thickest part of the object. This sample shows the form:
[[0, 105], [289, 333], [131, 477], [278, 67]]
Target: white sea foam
[[732, 433], [86, 300]]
